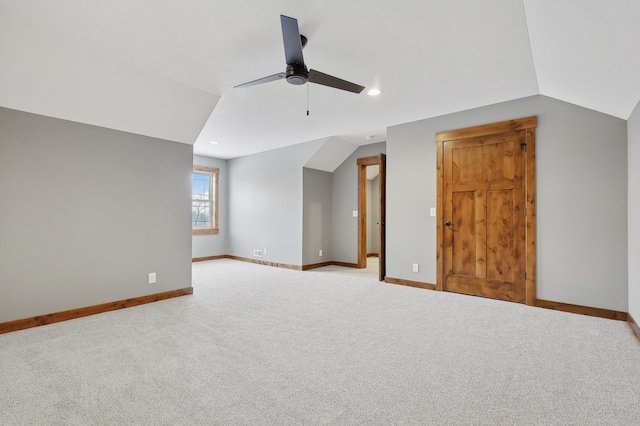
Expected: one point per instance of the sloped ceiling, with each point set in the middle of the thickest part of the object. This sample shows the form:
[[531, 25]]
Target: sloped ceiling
[[587, 52], [166, 68], [330, 155]]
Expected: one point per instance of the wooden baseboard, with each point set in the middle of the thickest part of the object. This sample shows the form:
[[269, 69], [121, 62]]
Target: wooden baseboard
[[409, 283], [203, 259], [316, 265], [372, 254], [583, 310], [294, 267], [267, 263], [276, 264], [634, 326], [345, 264], [331, 263], [22, 324]]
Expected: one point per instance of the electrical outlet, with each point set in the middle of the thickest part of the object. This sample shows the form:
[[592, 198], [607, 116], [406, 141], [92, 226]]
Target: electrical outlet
[[355, 213], [152, 277], [415, 267], [320, 253], [257, 253]]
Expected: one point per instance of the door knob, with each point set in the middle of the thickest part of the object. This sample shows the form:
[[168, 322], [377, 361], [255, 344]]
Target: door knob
[[447, 223]]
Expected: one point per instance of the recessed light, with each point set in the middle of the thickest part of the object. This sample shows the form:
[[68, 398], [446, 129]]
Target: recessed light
[[213, 143], [374, 92]]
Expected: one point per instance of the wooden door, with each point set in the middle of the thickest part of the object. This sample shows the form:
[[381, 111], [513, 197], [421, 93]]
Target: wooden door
[[483, 245], [382, 198]]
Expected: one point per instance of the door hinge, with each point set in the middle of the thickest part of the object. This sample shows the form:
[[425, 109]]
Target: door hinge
[[525, 211], [523, 145]]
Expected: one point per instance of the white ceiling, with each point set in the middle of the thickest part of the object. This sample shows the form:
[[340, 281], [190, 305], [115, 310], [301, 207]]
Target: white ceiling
[[372, 172], [166, 68]]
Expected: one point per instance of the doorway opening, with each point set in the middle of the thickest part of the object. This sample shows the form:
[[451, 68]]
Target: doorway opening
[[372, 213]]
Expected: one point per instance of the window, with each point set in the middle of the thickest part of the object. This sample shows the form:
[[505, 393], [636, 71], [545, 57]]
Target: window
[[204, 200]]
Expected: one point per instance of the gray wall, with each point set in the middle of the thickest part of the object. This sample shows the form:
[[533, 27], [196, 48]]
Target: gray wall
[[316, 206], [265, 205], [633, 128], [581, 198], [214, 244], [344, 232], [373, 215], [86, 213]]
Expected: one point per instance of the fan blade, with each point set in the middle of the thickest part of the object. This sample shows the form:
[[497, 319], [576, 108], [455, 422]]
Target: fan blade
[[291, 39], [262, 80], [335, 82]]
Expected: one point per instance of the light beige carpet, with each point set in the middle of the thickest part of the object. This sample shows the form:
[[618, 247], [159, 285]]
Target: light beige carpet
[[257, 345]]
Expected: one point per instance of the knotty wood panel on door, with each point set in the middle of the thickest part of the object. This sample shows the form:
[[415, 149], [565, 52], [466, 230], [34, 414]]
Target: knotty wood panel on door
[[483, 246]]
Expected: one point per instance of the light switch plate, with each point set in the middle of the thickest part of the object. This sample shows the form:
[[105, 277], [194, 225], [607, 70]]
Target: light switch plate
[[432, 211], [355, 213]]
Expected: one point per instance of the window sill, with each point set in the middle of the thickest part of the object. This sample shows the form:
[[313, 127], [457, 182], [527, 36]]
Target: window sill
[[205, 231]]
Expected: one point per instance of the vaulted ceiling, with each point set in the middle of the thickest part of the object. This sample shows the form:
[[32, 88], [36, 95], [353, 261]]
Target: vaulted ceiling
[[166, 68]]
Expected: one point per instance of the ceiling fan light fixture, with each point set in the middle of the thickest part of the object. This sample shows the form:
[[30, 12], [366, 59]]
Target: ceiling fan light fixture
[[296, 79], [374, 92], [297, 75]]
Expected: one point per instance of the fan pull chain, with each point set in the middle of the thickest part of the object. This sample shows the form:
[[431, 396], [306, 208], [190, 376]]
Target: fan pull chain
[[307, 99]]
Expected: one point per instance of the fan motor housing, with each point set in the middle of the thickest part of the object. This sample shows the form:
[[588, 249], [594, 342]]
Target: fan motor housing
[[297, 75]]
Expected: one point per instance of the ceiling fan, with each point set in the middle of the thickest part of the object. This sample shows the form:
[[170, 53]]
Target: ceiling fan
[[297, 72]]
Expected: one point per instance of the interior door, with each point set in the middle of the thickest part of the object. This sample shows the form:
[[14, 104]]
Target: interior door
[[382, 271], [484, 234]]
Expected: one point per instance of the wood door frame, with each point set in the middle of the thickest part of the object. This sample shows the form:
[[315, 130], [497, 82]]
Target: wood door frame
[[527, 124], [362, 164]]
